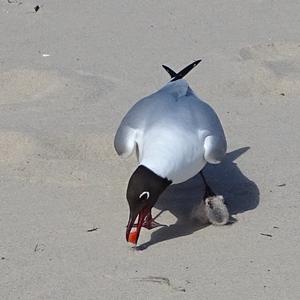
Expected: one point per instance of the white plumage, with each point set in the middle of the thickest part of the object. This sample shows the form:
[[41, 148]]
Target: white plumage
[[174, 133]]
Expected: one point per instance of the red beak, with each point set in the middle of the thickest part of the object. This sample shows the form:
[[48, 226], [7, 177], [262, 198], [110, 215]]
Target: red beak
[[132, 236]]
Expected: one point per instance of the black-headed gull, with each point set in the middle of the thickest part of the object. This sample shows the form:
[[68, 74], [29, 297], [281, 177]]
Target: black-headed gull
[[174, 134]]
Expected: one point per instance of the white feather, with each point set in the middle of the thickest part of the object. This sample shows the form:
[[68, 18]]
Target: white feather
[[176, 133]]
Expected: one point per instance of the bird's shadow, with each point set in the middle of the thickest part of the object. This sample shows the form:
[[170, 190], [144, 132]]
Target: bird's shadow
[[240, 194]]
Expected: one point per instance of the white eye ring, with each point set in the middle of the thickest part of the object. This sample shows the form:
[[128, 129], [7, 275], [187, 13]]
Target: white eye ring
[[144, 193]]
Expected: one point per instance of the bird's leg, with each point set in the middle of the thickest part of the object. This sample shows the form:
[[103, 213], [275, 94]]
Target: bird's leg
[[208, 191], [150, 222]]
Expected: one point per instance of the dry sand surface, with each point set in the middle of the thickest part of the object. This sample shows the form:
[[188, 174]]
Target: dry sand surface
[[69, 72]]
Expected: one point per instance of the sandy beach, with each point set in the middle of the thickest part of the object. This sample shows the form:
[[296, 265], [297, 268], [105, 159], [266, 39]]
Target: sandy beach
[[69, 71]]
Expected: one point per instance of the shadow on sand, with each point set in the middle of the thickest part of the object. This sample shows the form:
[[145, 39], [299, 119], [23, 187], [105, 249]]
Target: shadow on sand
[[240, 194]]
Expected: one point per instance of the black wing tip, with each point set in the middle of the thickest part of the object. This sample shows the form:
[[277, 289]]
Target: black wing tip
[[175, 76], [186, 70], [196, 62], [166, 68], [170, 71]]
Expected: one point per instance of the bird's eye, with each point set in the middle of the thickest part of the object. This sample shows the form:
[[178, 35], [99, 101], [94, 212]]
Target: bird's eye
[[144, 195]]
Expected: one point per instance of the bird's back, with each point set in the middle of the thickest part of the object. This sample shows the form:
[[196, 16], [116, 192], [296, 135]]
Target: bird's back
[[174, 133], [169, 128]]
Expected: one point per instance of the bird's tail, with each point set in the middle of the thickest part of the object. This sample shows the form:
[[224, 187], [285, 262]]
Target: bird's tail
[[175, 76]]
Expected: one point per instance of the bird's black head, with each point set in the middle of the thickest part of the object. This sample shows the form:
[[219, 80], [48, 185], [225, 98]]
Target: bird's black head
[[143, 190]]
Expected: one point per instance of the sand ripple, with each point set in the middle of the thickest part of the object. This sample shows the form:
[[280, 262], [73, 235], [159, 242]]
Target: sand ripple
[[27, 85]]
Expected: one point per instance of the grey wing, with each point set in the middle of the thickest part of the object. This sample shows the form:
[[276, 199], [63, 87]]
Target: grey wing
[[144, 112], [131, 128], [125, 140], [212, 135], [214, 148]]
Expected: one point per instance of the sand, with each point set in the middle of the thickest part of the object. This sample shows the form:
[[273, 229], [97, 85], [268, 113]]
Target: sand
[[69, 72]]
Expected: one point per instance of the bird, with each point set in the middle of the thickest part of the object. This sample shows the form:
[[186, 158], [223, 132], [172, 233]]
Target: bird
[[212, 210], [174, 135], [216, 210]]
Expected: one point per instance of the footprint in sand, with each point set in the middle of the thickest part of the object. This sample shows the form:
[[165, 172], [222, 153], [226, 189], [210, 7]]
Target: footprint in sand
[[271, 68]]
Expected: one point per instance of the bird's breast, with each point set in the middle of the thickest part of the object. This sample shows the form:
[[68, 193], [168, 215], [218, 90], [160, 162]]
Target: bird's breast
[[172, 153]]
